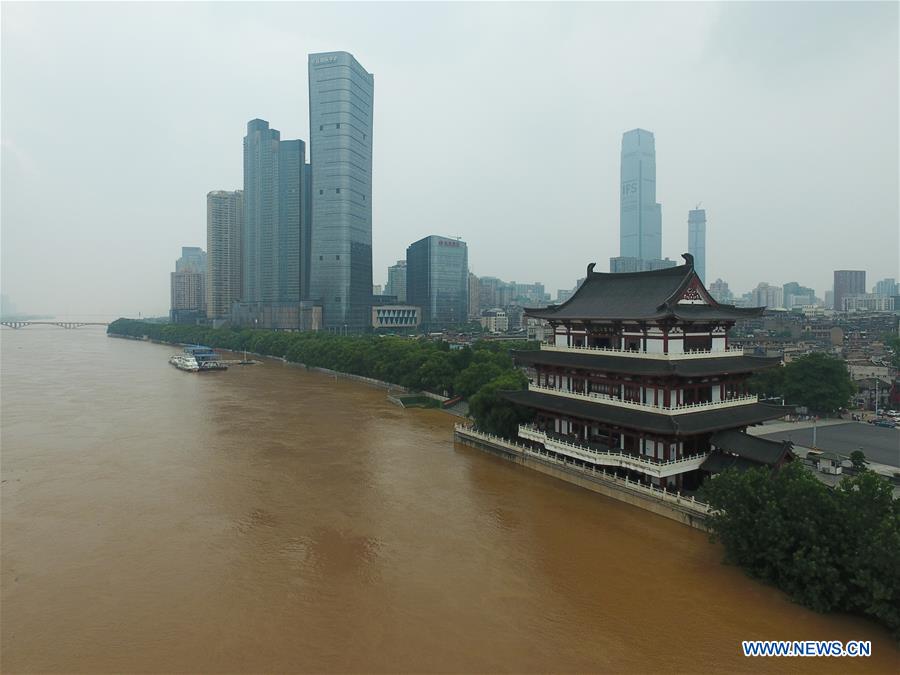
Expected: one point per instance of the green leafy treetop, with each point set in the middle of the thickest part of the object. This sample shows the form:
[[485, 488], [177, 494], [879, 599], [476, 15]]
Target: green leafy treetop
[[493, 413], [858, 458], [817, 381], [830, 549]]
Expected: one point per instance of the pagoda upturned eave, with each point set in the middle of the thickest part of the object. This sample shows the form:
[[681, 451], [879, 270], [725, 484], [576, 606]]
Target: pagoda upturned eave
[[648, 367], [674, 293]]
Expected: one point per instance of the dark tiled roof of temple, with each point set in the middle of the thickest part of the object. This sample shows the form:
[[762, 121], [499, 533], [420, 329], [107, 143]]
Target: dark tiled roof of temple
[[684, 424], [600, 362], [640, 296]]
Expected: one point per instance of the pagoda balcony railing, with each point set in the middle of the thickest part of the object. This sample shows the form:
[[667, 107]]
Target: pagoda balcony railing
[[647, 407], [631, 353], [466, 432], [650, 466]]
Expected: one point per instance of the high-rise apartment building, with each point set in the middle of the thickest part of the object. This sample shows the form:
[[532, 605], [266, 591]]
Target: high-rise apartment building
[[340, 117], [188, 286], [847, 282], [697, 240], [766, 295], [396, 284], [193, 259], [796, 295], [437, 276], [720, 291], [640, 216], [272, 256], [886, 287], [224, 222], [474, 294]]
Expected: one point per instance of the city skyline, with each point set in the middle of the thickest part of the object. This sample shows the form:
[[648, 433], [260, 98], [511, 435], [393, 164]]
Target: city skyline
[[731, 129]]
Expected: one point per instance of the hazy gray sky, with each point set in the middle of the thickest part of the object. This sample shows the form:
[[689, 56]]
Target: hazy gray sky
[[500, 123]]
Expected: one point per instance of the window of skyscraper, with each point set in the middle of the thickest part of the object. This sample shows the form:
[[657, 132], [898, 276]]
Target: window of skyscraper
[[338, 190]]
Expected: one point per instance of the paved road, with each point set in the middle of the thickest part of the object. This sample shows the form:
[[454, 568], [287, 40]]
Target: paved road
[[880, 444]]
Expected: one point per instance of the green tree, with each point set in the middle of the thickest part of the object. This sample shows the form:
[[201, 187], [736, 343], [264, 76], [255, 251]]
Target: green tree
[[893, 344], [768, 383], [858, 458], [830, 549], [818, 381], [495, 414]]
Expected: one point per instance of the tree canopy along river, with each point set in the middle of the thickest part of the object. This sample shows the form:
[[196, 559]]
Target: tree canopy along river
[[267, 518]]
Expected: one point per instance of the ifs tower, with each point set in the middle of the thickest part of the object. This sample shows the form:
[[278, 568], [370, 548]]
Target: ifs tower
[[640, 217]]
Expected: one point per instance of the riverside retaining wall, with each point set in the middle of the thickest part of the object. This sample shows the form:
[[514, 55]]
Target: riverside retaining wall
[[685, 510]]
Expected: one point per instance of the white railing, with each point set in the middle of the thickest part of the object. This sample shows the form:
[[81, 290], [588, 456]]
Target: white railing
[[687, 503], [594, 397], [658, 468], [691, 354]]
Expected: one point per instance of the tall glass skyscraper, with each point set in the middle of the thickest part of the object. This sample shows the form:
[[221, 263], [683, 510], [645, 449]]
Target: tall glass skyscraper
[[273, 259], [340, 118], [259, 261], [640, 217], [697, 240], [437, 280], [291, 167]]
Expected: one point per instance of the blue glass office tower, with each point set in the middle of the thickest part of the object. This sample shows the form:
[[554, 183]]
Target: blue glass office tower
[[437, 280], [273, 258], [340, 118], [640, 217], [697, 240]]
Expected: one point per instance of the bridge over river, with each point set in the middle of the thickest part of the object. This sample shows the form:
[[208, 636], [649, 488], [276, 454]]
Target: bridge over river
[[62, 324]]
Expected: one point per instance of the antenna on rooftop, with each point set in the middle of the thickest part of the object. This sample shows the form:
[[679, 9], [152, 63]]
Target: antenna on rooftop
[[697, 208]]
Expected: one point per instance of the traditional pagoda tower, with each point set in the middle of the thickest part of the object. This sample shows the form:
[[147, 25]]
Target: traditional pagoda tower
[[638, 377]]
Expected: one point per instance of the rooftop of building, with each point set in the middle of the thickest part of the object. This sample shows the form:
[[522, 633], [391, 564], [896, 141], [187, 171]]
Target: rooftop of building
[[688, 424], [675, 292], [647, 367]]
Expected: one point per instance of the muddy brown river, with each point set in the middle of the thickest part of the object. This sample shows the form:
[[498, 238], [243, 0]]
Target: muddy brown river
[[271, 519]]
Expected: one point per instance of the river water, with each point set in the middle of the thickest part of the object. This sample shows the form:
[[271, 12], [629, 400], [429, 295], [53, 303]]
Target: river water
[[271, 519]]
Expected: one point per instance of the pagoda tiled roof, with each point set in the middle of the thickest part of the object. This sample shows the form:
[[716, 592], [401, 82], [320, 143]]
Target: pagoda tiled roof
[[684, 424], [717, 365], [753, 448], [718, 462], [641, 296]]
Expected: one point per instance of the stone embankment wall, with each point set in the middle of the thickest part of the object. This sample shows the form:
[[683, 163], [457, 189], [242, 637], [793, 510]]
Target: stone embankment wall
[[685, 510]]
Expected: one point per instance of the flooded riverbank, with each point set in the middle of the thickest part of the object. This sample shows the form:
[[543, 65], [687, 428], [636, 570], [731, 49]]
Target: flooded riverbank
[[268, 518]]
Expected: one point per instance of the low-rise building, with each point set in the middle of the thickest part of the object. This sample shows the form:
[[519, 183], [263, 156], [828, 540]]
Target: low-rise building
[[537, 329], [396, 317], [494, 321], [868, 302]]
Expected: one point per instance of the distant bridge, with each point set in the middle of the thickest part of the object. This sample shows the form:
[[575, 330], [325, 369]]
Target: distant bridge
[[61, 324]]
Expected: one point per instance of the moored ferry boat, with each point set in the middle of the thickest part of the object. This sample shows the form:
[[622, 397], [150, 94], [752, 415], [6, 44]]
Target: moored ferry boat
[[197, 358], [185, 362]]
